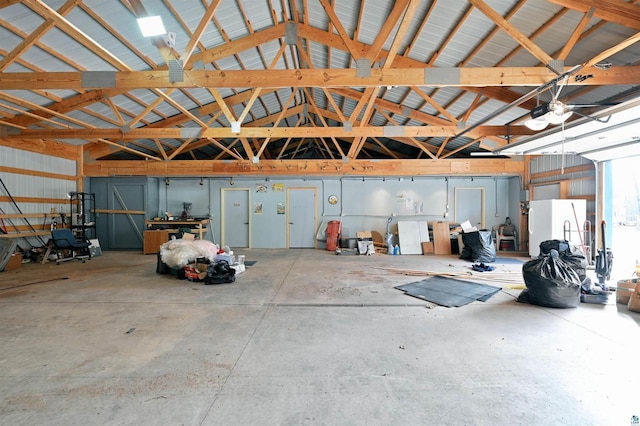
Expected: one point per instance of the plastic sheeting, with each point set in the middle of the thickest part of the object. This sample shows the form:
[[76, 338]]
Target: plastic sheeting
[[177, 253]]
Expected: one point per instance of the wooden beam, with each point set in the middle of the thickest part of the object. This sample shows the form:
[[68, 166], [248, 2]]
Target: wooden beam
[[39, 173], [382, 36], [402, 167], [263, 132], [612, 51], [616, 11], [111, 211], [210, 55], [25, 232], [43, 146], [5, 3], [575, 36], [432, 77], [47, 12], [350, 47], [32, 38], [516, 34], [64, 106], [569, 170], [333, 41], [28, 215], [34, 200], [195, 38]]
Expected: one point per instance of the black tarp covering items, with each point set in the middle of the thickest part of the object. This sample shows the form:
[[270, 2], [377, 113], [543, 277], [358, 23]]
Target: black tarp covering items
[[550, 282], [7, 248], [478, 246]]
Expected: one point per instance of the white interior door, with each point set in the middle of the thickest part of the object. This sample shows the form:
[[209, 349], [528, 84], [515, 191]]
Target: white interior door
[[302, 220], [236, 220]]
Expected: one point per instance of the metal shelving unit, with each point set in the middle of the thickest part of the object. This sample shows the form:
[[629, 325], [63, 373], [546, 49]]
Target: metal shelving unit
[[82, 218]]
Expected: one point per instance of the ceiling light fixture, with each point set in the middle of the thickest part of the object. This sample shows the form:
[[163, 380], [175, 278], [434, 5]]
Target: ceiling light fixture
[[554, 112], [151, 26]]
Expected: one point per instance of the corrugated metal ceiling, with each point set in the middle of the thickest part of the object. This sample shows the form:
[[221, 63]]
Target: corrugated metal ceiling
[[454, 33]]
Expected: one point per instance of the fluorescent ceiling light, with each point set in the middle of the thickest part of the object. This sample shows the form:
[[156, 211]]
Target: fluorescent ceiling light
[[151, 26]]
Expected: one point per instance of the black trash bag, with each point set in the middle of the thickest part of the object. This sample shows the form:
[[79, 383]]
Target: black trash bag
[[550, 282], [220, 273], [161, 267], [569, 254], [561, 246], [478, 246], [577, 261]]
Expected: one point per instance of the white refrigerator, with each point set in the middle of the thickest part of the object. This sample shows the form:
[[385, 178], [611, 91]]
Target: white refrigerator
[[556, 220]]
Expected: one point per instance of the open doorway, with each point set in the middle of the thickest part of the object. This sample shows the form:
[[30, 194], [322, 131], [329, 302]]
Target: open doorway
[[624, 176]]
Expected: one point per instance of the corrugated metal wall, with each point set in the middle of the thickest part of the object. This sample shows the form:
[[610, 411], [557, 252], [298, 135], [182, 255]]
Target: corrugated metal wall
[[579, 183], [576, 174], [34, 194]]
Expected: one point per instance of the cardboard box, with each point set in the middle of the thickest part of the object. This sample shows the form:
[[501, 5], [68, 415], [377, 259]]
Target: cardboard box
[[634, 300], [427, 247], [14, 263], [624, 290]]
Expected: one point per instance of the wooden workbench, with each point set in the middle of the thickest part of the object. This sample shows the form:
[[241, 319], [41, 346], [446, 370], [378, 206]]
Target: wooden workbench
[[159, 232]]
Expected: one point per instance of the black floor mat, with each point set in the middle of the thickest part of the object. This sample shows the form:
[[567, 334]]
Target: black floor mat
[[449, 292], [250, 262]]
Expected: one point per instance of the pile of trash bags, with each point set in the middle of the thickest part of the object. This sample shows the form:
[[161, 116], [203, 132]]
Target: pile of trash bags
[[556, 277]]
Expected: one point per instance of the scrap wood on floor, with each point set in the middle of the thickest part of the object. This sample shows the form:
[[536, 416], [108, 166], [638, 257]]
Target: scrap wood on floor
[[512, 280]]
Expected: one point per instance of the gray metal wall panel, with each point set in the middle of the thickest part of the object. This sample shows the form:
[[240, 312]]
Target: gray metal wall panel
[[24, 185], [363, 205], [34, 161]]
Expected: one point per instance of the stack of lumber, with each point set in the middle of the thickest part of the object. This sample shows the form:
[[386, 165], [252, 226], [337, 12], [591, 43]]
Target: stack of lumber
[[511, 280]]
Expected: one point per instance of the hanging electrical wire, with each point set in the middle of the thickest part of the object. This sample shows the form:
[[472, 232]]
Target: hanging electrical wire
[[20, 211]]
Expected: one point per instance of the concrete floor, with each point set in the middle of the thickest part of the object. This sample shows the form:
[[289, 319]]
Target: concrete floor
[[302, 337]]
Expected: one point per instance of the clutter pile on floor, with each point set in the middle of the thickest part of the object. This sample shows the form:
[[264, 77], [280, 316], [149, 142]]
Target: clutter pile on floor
[[199, 261], [557, 278]]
